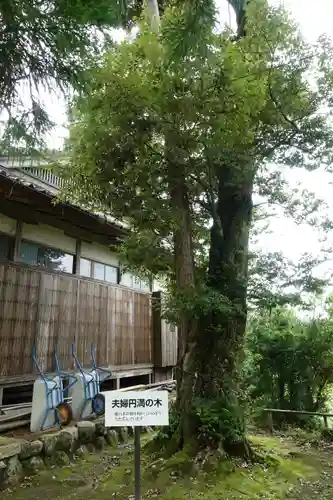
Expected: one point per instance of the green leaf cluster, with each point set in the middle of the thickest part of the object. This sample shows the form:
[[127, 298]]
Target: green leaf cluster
[[289, 362], [46, 46]]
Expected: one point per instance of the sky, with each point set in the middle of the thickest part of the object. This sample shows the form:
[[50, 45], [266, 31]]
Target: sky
[[285, 236]]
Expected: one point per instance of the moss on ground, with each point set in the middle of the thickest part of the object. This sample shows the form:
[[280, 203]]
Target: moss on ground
[[286, 471]]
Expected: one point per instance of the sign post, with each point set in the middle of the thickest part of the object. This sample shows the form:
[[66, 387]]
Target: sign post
[[137, 463], [136, 409]]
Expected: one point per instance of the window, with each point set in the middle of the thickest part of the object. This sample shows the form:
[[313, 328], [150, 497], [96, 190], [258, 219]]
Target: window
[[85, 268], [111, 274], [141, 284], [6, 246], [136, 283], [29, 253], [99, 271], [46, 257]]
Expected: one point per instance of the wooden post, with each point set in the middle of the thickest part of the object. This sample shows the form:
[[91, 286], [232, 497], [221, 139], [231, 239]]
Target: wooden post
[[137, 460], [325, 422], [270, 421], [17, 243], [76, 269]]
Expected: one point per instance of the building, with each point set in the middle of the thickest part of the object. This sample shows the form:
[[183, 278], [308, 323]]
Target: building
[[61, 283]]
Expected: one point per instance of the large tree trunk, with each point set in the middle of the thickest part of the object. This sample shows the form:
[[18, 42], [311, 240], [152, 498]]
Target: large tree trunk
[[185, 284], [221, 333]]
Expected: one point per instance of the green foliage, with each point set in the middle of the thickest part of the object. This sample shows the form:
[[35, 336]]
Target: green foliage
[[289, 363], [218, 421], [196, 303], [222, 106], [45, 45], [215, 422], [275, 281]]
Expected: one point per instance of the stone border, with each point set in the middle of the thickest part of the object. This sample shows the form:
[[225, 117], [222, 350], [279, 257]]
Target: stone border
[[19, 458]]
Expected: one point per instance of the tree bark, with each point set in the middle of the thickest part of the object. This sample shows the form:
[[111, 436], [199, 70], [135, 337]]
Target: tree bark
[[185, 284], [220, 344], [153, 15]]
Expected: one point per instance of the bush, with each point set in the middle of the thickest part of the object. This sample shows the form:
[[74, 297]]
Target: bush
[[289, 365]]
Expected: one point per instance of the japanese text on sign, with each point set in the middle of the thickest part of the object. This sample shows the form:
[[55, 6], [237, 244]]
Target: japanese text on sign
[[135, 408]]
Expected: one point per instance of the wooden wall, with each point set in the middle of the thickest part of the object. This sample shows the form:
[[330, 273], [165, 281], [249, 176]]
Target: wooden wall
[[164, 336], [45, 309]]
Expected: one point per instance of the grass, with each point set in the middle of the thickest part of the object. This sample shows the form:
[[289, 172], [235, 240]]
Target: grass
[[289, 471]]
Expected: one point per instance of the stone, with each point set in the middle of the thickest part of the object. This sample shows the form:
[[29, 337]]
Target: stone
[[3, 468], [81, 452], [30, 449], [99, 443], [90, 448], [67, 439], [100, 429], [111, 438], [123, 434], [86, 431], [9, 448], [58, 458], [33, 465], [10, 440], [49, 443], [13, 471]]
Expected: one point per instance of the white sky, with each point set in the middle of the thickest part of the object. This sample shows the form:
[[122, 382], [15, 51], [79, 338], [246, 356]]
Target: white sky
[[286, 236]]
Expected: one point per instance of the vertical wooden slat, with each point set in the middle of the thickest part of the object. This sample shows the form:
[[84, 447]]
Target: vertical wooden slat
[[45, 309], [112, 325], [164, 336]]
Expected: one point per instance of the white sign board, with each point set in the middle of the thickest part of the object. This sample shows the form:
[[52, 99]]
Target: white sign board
[[135, 408]]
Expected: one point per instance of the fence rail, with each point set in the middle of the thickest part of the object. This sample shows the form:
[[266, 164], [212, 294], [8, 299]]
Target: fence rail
[[270, 412]]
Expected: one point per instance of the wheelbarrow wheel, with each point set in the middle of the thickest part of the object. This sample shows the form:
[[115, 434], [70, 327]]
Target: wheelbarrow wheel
[[64, 414], [98, 404]]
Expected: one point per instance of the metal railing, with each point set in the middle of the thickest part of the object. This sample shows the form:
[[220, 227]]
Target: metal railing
[[45, 175]]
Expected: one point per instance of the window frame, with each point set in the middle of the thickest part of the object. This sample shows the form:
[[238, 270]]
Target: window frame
[[92, 269], [39, 245]]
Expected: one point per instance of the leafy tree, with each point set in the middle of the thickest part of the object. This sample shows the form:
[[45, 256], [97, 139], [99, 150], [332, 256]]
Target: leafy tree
[[289, 364], [177, 129], [275, 281], [45, 45]]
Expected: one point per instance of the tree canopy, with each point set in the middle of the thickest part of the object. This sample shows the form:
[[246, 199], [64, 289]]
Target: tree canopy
[[124, 151], [46, 45], [179, 129]]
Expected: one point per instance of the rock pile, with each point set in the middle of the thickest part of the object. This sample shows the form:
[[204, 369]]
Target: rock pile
[[20, 457]]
